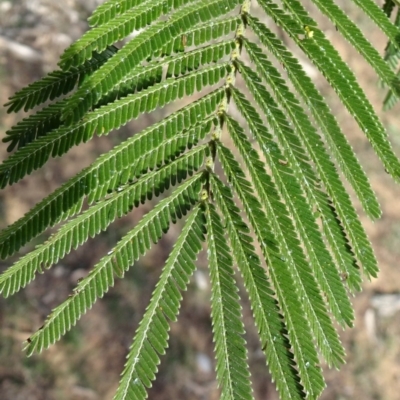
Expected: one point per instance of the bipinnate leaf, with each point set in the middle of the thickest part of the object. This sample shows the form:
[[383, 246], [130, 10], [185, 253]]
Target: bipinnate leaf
[[306, 281], [326, 58], [288, 185], [57, 83], [271, 327], [137, 50], [278, 258], [127, 160], [133, 245], [230, 347], [151, 337], [98, 217], [242, 143]]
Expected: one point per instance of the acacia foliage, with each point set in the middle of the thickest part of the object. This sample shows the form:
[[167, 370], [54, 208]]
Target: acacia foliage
[[277, 212]]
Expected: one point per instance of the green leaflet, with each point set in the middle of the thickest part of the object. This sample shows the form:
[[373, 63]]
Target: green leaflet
[[392, 56], [288, 186], [230, 351], [49, 118], [138, 49], [135, 244], [363, 250], [303, 350], [320, 111], [301, 272], [152, 334], [388, 7], [344, 153], [97, 39], [98, 217], [326, 169], [391, 51], [266, 313], [114, 29], [66, 201], [105, 119], [203, 33], [56, 83], [327, 60], [380, 18], [351, 32], [35, 126], [298, 328], [110, 9]]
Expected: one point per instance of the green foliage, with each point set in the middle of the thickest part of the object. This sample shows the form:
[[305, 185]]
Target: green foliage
[[278, 211]]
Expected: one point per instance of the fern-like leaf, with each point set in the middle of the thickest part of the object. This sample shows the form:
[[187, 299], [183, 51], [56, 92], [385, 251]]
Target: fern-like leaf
[[57, 83], [326, 58], [123, 163], [271, 327], [230, 350], [284, 196], [152, 335], [138, 49], [298, 206], [135, 244], [98, 217], [104, 120], [313, 304], [298, 327]]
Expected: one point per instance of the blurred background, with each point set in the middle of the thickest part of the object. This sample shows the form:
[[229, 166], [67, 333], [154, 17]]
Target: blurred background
[[86, 363]]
